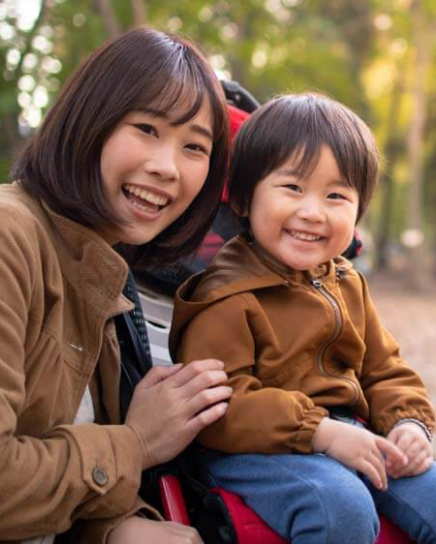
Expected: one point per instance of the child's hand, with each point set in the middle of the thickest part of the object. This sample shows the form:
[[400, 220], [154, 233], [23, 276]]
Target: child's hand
[[358, 449], [412, 441]]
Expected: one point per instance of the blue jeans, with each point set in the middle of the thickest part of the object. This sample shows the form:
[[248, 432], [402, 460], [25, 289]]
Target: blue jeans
[[314, 499]]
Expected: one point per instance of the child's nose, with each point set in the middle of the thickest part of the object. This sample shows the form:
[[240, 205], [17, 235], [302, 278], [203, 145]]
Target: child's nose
[[311, 210]]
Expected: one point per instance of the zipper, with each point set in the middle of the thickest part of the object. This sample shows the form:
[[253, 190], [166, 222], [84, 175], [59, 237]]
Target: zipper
[[337, 330]]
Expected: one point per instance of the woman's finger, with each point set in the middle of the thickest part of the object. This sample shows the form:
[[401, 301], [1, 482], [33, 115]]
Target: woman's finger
[[203, 382], [159, 373], [206, 417], [195, 369], [208, 397]]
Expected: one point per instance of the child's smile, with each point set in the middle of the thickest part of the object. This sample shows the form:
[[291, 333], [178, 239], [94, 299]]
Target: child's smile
[[307, 221], [305, 236]]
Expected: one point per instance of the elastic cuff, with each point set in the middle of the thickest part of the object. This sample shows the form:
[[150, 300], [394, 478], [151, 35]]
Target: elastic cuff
[[303, 438], [420, 424]]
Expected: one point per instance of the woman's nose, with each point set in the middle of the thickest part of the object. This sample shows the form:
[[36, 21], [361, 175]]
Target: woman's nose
[[163, 163]]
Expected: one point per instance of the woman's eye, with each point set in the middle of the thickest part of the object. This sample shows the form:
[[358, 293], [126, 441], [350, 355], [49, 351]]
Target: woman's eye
[[199, 148], [146, 128]]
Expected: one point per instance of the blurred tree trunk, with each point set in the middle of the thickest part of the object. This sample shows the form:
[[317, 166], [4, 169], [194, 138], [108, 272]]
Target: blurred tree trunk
[[138, 10], [423, 38], [107, 13], [391, 154]]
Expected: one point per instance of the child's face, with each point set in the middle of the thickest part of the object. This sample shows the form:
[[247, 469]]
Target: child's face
[[304, 222], [152, 171]]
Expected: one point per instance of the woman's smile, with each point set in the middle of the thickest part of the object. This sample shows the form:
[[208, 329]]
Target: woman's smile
[[152, 170], [145, 199]]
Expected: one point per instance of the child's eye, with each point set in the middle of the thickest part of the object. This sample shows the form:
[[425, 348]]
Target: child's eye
[[293, 187], [146, 128], [336, 196]]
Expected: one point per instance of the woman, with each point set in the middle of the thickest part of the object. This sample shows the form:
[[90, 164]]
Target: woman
[[126, 169]]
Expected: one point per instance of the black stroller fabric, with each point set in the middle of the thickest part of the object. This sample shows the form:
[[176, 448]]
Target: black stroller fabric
[[206, 510]]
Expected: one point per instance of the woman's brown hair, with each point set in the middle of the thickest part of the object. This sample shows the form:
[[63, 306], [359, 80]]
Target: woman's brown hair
[[298, 126], [141, 69]]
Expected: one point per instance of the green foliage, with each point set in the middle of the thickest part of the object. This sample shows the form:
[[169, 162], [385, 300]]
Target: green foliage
[[357, 52]]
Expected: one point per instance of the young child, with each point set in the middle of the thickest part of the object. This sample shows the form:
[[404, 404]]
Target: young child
[[303, 347]]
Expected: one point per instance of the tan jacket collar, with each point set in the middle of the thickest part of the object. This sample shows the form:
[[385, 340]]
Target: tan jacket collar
[[244, 266], [92, 267]]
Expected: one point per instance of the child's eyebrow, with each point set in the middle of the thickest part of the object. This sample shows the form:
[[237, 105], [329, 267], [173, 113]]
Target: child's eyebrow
[[290, 172], [340, 182]]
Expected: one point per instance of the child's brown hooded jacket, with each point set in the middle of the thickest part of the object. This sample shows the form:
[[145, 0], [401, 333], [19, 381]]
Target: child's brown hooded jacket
[[294, 344]]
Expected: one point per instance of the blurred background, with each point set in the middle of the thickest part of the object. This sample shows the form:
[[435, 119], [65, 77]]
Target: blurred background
[[376, 56]]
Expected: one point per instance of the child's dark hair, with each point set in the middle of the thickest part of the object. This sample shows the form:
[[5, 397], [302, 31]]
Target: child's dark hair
[[298, 126], [141, 70]]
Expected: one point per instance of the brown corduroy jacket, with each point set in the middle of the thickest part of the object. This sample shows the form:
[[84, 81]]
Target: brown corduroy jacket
[[295, 344], [60, 287]]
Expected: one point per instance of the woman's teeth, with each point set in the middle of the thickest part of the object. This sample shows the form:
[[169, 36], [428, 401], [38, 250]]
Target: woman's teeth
[[147, 196]]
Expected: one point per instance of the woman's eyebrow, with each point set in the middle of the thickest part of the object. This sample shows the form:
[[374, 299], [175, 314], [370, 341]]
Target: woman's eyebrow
[[201, 130]]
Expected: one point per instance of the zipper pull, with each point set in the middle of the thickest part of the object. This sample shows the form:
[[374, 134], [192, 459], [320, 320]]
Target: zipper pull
[[341, 272], [317, 283]]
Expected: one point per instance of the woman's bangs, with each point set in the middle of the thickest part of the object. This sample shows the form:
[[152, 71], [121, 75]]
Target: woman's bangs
[[178, 100]]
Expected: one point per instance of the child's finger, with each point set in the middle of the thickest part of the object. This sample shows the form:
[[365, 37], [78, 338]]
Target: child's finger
[[419, 464], [369, 470], [404, 441], [392, 453], [414, 449], [377, 462]]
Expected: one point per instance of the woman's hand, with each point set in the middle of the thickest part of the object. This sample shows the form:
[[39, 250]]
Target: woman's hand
[[172, 404], [136, 530], [358, 449], [412, 441]]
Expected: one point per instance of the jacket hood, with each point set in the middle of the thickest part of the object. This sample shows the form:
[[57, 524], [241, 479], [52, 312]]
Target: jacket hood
[[241, 266]]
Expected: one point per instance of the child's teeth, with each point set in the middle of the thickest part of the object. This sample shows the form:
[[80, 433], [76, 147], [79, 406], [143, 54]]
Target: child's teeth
[[305, 236]]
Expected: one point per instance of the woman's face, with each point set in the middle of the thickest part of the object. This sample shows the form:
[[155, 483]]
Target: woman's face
[[152, 170]]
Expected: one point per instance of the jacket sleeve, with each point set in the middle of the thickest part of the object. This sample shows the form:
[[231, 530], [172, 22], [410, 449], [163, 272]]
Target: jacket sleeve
[[74, 471], [96, 531], [258, 419], [393, 390]]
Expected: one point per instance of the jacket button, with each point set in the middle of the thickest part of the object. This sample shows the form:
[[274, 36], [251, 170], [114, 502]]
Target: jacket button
[[99, 476]]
